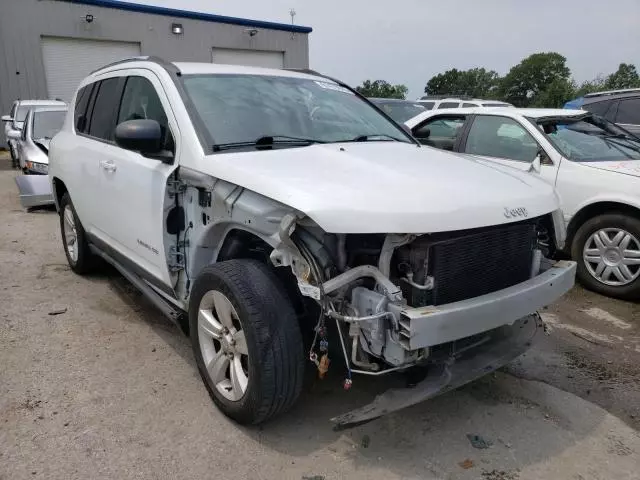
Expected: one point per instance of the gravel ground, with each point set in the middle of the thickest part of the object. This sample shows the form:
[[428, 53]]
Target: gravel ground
[[107, 388]]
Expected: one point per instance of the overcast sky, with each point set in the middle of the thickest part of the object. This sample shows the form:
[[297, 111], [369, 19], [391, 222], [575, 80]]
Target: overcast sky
[[409, 41]]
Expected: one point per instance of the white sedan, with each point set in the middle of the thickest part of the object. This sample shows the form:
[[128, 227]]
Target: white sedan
[[594, 165]]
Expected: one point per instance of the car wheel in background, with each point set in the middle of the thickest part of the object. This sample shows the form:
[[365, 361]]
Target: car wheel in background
[[246, 340], [607, 249], [74, 241]]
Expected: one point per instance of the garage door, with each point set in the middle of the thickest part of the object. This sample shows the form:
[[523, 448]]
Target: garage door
[[68, 60], [253, 58]]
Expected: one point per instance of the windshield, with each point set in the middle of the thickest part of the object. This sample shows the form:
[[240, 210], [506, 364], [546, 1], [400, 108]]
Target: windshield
[[244, 108], [400, 111], [21, 113], [47, 124], [590, 139]]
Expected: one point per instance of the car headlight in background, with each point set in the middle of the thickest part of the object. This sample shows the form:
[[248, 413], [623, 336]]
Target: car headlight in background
[[38, 167]]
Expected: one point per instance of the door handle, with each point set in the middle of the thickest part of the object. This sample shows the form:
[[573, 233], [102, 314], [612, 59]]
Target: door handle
[[108, 165]]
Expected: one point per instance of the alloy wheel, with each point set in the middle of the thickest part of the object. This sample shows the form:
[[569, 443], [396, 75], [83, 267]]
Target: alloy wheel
[[223, 345], [612, 256]]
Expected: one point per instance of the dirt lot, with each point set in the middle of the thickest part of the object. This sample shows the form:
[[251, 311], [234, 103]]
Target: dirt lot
[[107, 388]]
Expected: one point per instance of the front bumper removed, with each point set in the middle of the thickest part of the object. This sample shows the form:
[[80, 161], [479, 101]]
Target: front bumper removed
[[501, 346]]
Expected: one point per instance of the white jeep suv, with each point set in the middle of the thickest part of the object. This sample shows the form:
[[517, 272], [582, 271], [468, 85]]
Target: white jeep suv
[[255, 206]]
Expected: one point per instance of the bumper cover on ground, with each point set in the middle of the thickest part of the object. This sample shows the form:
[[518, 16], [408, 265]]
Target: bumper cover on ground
[[506, 344]]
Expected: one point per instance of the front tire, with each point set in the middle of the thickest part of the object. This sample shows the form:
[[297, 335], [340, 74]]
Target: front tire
[[246, 340], [607, 250], [74, 240]]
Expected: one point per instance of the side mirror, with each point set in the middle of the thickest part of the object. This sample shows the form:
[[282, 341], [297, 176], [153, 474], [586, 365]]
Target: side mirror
[[536, 164], [144, 136], [7, 118], [14, 134]]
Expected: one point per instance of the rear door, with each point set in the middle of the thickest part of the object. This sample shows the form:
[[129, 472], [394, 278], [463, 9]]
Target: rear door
[[134, 185], [94, 118], [504, 140]]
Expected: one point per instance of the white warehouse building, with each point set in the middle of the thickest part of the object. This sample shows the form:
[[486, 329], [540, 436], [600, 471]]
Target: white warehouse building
[[48, 46]]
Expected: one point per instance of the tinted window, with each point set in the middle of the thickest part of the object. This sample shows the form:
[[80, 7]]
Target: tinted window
[[629, 111], [400, 111], [428, 105], [598, 107], [448, 105], [47, 124], [140, 101], [79, 114], [440, 132], [243, 108], [500, 137], [471, 105], [102, 125]]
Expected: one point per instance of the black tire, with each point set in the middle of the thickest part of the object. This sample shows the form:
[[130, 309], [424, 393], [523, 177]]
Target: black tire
[[274, 343], [86, 260], [628, 223]]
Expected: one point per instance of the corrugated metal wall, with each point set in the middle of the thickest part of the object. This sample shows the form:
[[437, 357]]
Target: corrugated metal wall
[[24, 22]]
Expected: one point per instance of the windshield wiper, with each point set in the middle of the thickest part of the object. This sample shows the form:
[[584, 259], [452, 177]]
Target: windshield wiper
[[268, 141], [377, 137]]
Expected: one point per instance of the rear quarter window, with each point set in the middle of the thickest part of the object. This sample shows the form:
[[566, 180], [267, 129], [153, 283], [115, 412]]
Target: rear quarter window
[[80, 110]]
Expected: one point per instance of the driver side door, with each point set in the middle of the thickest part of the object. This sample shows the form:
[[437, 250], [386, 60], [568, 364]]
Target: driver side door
[[504, 140]]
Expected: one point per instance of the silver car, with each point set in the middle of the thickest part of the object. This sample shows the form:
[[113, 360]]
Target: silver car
[[40, 125], [15, 120]]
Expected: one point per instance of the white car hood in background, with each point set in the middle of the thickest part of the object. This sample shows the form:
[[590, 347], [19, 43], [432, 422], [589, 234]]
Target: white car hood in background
[[628, 167], [386, 187]]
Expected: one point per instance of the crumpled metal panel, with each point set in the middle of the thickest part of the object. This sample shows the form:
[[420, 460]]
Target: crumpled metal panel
[[35, 190]]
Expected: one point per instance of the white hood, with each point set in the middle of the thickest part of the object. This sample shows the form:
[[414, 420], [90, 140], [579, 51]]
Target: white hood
[[627, 167], [385, 187]]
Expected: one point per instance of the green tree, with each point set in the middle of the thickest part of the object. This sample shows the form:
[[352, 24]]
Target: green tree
[[625, 77], [476, 82], [382, 89], [532, 76], [556, 94], [596, 85]]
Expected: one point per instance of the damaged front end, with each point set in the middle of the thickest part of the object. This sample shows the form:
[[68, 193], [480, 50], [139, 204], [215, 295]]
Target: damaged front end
[[451, 306]]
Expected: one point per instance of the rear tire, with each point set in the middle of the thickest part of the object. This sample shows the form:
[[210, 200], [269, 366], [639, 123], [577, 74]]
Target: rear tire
[[607, 250], [74, 240], [246, 340]]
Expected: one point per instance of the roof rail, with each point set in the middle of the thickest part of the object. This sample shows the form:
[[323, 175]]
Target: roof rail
[[145, 58], [612, 92]]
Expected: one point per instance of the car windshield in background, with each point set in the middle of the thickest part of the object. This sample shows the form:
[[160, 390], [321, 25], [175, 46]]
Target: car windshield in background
[[21, 114], [400, 111], [590, 139], [47, 124], [239, 109]]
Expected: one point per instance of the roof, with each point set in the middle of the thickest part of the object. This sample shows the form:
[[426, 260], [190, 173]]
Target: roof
[[50, 108], [28, 103], [207, 17], [503, 111]]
